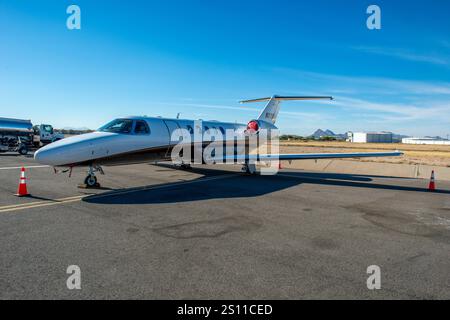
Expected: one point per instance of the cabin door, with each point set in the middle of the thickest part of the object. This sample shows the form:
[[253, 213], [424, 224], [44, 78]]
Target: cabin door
[[171, 127]]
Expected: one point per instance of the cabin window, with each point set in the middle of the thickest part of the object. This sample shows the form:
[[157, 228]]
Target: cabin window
[[141, 128], [191, 131], [118, 126], [206, 128]]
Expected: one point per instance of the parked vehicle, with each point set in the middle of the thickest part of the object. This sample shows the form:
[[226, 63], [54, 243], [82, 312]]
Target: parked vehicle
[[17, 135]]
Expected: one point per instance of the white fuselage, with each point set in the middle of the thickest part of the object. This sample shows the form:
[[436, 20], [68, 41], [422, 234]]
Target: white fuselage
[[142, 139], [111, 148]]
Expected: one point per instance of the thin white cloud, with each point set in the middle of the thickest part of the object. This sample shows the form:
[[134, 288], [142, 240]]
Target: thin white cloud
[[405, 55], [360, 101], [386, 103], [302, 115], [399, 112], [212, 106], [360, 85]]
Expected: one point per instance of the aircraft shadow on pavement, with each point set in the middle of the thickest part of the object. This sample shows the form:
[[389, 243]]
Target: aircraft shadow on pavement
[[236, 186]]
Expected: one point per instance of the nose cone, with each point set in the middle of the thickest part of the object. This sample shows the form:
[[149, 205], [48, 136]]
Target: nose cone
[[39, 156], [46, 156], [75, 150]]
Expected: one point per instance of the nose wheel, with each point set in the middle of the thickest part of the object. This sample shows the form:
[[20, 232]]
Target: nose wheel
[[91, 180]]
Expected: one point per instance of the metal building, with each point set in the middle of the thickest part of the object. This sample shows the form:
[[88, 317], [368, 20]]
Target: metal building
[[425, 141], [370, 137]]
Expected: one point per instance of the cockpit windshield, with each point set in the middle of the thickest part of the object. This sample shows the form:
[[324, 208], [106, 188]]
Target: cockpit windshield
[[118, 126], [47, 128]]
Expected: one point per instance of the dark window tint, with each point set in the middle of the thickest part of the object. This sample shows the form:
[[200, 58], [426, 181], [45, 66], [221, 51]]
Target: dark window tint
[[47, 128], [118, 126], [191, 131], [222, 130], [141, 128], [206, 128]]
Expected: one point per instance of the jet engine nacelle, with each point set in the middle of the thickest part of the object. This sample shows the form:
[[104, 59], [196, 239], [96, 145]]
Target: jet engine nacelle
[[253, 127], [258, 126]]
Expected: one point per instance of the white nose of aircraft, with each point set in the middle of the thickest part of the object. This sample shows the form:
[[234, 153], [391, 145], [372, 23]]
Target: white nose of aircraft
[[45, 156], [77, 149]]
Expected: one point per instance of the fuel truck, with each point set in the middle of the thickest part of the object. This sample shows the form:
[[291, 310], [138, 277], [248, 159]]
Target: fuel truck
[[21, 136]]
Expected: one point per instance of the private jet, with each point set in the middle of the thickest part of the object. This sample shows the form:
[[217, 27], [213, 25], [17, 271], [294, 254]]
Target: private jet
[[134, 140]]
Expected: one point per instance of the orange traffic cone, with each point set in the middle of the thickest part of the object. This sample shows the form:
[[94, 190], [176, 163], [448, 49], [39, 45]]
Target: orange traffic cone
[[22, 190], [432, 185]]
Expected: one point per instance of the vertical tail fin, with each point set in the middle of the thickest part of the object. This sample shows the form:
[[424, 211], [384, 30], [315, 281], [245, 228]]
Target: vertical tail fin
[[270, 112]]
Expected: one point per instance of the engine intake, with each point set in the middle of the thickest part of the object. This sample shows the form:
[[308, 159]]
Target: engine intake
[[252, 127]]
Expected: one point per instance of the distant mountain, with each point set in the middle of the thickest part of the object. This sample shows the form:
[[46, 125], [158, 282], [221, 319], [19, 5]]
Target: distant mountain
[[436, 138], [72, 130], [398, 137], [319, 133]]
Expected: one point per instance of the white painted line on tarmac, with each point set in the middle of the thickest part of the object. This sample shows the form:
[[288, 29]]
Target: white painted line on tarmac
[[32, 205], [26, 167], [37, 204]]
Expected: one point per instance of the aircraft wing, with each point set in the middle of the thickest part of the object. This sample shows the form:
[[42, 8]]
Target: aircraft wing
[[308, 156]]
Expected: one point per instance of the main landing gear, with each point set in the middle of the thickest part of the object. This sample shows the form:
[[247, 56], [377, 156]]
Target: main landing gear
[[249, 168], [91, 180], [185, 166]]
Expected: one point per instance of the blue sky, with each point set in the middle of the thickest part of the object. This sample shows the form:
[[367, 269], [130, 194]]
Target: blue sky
[[201, 57]]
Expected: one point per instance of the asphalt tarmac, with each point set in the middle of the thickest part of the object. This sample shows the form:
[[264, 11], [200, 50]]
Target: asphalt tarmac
[[154, 232]]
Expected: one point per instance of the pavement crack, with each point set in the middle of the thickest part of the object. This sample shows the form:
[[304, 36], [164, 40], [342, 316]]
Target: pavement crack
[[209, 228]]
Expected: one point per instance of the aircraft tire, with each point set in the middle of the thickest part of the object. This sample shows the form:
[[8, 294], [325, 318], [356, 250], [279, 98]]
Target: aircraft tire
[[90, 181], [23, 150]]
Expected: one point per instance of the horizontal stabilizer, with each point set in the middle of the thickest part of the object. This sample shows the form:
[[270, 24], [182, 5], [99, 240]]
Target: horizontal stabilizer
[[270, 112], [288, 98]]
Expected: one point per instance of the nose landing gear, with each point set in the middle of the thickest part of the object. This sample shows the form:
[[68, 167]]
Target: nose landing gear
[[91, 180]]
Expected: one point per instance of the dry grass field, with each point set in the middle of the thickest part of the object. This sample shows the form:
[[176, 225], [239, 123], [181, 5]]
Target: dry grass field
[[436, 155]]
